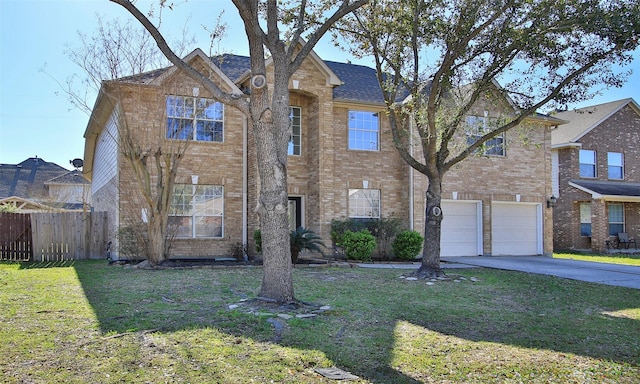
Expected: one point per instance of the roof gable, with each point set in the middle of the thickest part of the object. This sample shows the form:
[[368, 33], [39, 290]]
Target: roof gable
[[583, 120], [190, 58]]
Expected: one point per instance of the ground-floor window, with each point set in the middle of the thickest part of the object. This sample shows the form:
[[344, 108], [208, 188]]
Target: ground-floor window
[[616, 219], [364, 203], [197, 211], [585, 219]]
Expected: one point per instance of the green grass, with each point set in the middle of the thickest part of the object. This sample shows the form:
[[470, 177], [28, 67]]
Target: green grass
[[89, 322], [624, 259]]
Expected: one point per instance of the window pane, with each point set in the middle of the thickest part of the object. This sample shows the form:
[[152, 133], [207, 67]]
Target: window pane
[[185, 113], [585, 219], [363, 130], [295, 119], [364, 203], [200, 205], [616, 219], [208, 226], [615, 165], [587, 160], [585, 229], [180, 226]]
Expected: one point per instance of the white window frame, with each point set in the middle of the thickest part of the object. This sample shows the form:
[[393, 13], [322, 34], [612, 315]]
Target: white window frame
[[585, 217], [184, 119], [296, 132], [477, 127], [364, 203], [612, 163], [614, 222], [188, 203], [584, 158], [363, 127]]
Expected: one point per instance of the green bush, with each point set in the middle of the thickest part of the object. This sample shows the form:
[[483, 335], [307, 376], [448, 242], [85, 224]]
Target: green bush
[[407, 245], [257, 238], [358, 245], [300, 239], [384, 230]]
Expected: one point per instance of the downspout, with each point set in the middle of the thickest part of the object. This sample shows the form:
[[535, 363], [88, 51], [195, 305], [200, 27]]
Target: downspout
[[244, 189], [411, 194]]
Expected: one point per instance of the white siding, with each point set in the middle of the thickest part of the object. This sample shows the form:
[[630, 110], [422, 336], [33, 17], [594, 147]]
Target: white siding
[[555, 170], [105, 161]]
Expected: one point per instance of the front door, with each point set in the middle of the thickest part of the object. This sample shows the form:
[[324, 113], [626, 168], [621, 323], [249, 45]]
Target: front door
[[295, 213]]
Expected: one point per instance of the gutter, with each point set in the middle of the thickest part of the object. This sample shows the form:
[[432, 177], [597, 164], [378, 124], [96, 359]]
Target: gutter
[[244, 188]]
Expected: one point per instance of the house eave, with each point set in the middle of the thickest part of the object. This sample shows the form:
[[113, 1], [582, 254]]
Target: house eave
[[607, 197]]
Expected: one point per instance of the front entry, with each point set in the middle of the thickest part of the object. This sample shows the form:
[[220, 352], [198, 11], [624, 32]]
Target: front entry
[[295, 213]]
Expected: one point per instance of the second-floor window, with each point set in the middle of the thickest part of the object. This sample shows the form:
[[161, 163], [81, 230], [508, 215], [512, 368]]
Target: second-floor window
[[295, 119], [194, 118], [364, 203], [478, 126], [615, 165], [364, 128], [587, 159]]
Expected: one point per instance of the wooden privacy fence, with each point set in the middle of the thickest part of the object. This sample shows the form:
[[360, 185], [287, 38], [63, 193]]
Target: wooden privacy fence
[[15, 237], [57, 236]]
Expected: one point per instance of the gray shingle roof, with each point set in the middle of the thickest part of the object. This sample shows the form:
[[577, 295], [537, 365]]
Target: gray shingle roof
[[359, 83], [609, 188], [27, 179]]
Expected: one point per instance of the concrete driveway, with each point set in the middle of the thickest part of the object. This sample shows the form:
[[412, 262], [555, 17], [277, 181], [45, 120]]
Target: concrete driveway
[[610, 274]]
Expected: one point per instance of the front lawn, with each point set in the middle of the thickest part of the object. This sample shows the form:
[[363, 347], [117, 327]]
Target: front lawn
[[87, 322], [624, 259]]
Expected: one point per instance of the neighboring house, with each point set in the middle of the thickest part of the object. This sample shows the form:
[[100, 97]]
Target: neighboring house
[[597, 175], [342, 162], [37, 185]]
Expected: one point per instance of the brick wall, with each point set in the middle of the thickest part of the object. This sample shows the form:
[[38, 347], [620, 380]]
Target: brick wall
[[619, 133]]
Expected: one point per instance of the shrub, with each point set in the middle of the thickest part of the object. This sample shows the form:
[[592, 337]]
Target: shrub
[[384, 230], [299, 240], [407, 245], [303, 238], [358, 245], [257, 238]]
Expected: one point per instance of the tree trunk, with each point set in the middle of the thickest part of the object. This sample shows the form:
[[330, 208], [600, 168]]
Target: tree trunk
[[433, 226], [156, 241], [272, 135]]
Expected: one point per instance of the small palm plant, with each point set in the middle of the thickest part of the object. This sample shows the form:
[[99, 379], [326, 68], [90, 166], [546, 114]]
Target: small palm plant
[[303, 238]]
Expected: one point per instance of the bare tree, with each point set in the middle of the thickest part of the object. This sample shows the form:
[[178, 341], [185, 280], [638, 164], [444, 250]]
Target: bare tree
[[437, 59], [110, 59], [267, 108]]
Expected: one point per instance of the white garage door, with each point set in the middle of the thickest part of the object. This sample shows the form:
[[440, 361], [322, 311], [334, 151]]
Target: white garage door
[[461, 228], [516, 229]]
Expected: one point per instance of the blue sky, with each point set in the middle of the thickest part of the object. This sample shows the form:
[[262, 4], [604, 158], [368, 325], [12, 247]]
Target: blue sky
[[36, 119]]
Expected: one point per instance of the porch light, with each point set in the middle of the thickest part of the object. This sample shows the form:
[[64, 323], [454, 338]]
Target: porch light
[[552, 201]]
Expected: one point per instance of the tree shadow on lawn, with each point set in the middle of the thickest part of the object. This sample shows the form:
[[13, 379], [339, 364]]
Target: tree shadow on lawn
[[362, 332]]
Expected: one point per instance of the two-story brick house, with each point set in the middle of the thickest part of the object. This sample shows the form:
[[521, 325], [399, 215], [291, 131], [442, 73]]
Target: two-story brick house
[[342, 163], [597, 175]]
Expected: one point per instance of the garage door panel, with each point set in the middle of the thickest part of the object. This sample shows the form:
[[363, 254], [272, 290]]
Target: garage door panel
[[514, 229], [459, 229]]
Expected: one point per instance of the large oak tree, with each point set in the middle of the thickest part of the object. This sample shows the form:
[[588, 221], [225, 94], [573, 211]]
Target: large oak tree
[[436, 58], [273, 28]]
